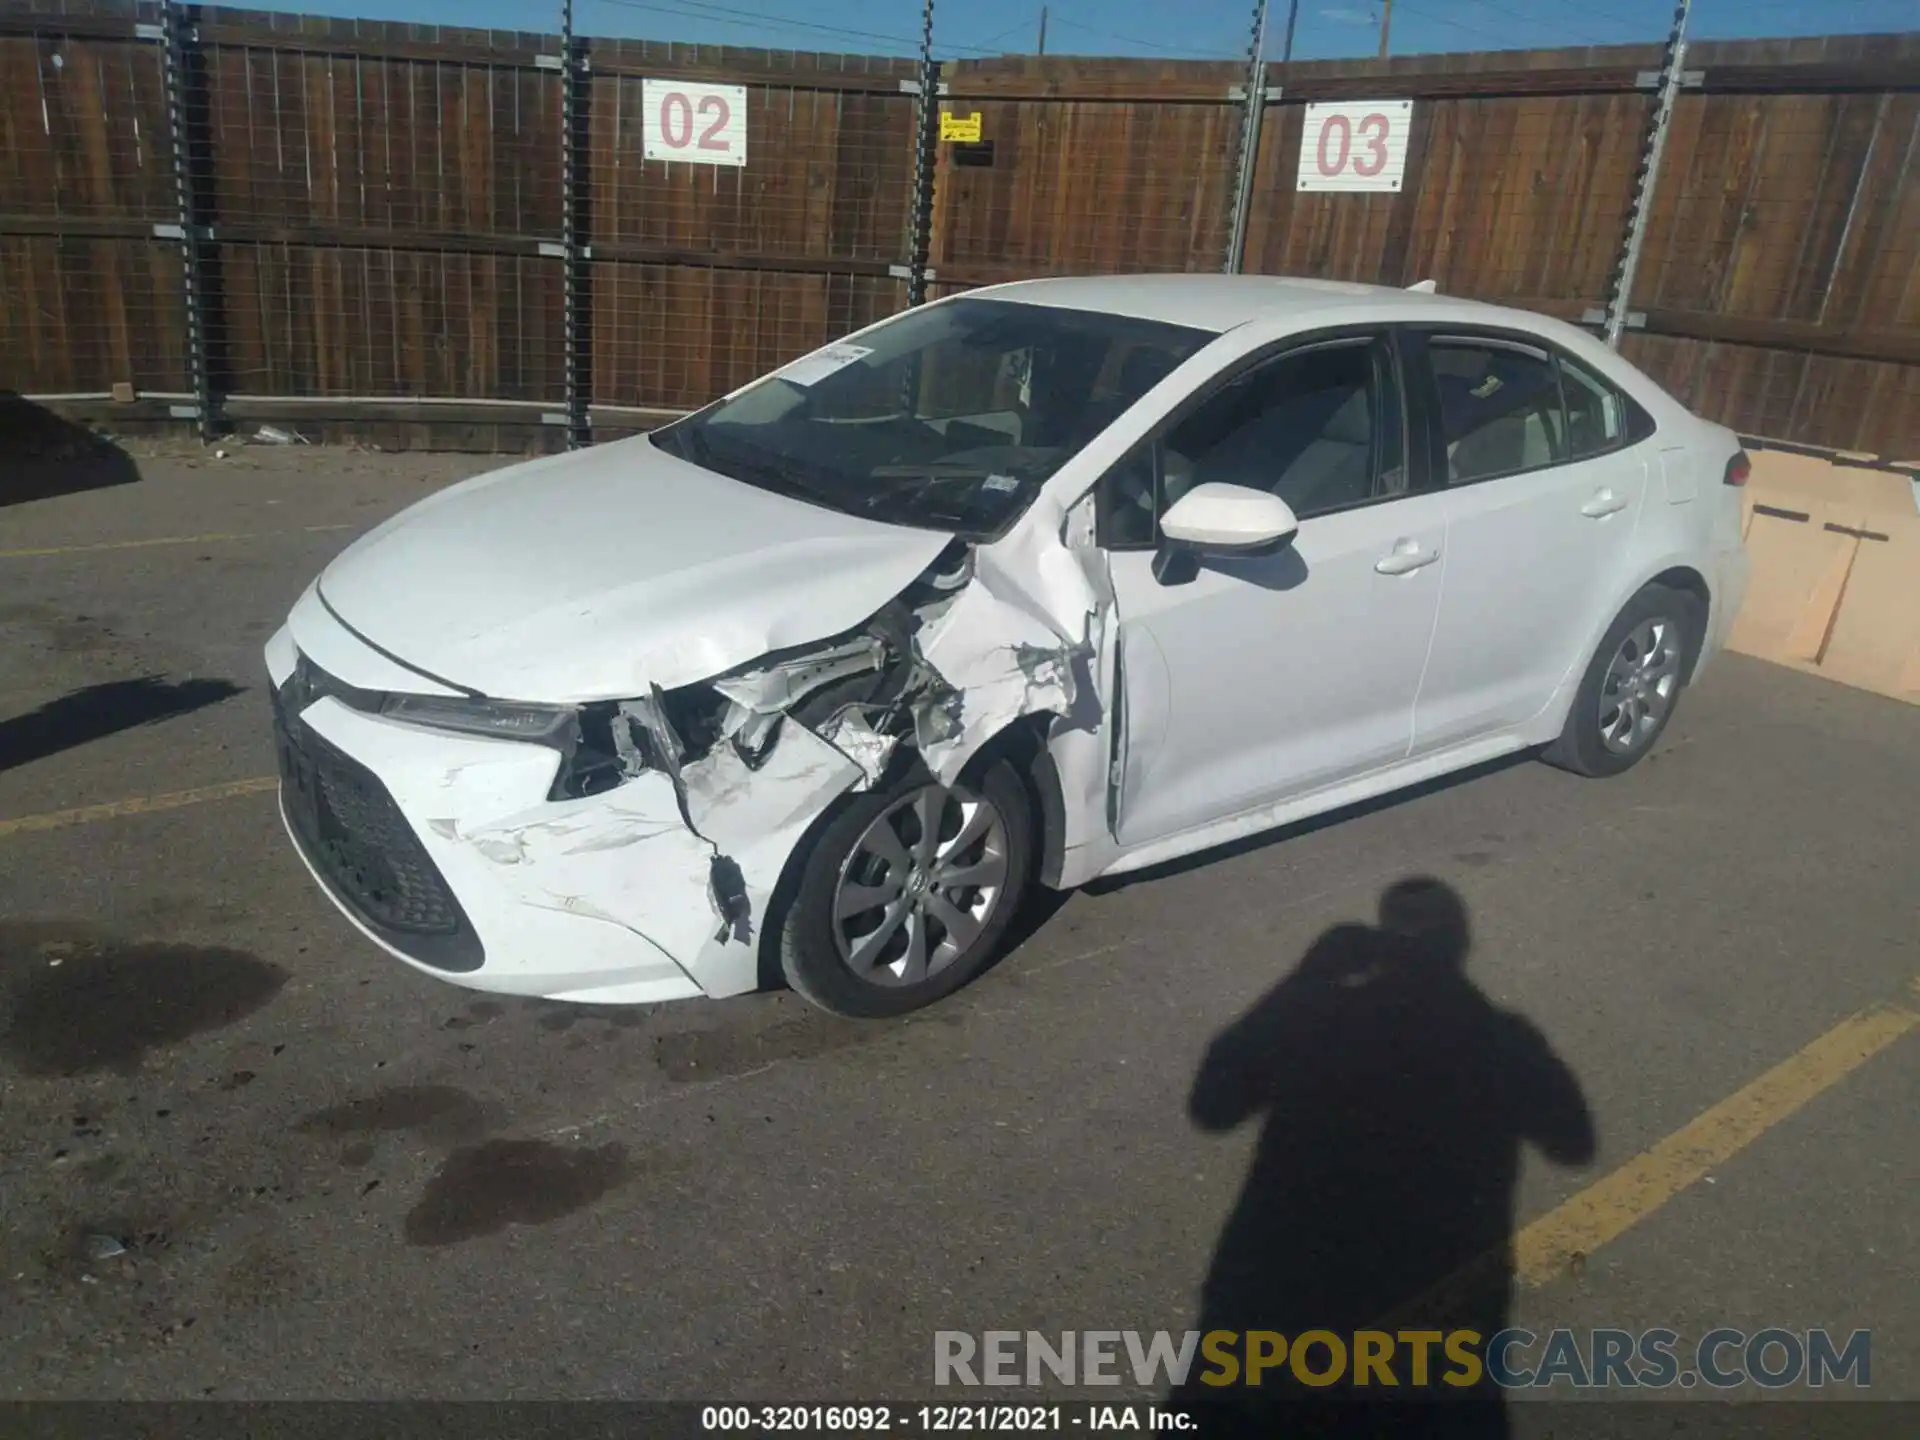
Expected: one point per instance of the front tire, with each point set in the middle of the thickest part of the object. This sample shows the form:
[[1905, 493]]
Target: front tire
[[1631, 686], [907, 893]]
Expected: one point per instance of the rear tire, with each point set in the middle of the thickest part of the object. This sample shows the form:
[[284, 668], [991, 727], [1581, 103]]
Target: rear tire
[[1631, 686], [907, 893]]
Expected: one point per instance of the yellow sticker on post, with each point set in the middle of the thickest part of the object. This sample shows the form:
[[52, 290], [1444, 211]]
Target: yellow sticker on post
[[960, 129]]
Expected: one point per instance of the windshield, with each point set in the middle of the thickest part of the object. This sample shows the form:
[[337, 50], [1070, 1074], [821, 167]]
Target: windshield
[[949, 418]]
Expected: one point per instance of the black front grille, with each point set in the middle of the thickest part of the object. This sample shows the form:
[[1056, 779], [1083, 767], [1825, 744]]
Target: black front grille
[[366, 853]]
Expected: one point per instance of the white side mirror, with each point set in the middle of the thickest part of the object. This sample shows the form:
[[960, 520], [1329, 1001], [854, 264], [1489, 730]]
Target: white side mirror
[[1218, 519]]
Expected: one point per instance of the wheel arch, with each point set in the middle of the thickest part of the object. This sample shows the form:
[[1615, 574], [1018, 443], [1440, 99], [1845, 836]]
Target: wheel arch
[[1672, 572], [1023, 744], [1687, 580]]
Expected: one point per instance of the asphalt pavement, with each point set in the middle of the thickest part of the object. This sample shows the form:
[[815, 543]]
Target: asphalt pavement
[[245, 1155]]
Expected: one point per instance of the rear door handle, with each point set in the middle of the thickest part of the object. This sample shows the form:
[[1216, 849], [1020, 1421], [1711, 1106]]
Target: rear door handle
[[1604, 502], [1405, 558]]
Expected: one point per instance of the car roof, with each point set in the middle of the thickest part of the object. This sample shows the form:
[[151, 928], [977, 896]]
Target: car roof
[[1221, 302]]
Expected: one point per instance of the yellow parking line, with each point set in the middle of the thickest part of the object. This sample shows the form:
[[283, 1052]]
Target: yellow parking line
[[1558, 1242], [138, 805], [165, 540], [1606, 1210]]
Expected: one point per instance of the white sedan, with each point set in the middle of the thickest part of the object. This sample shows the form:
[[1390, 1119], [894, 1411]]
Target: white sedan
[[1035, 584]]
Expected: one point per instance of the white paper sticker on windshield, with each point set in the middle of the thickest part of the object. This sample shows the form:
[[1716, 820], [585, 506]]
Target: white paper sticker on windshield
[[1002, 482], [812, 369]]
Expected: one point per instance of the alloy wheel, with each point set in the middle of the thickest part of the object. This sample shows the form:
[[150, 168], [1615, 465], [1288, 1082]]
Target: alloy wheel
[[1640, 684], [920, 885]]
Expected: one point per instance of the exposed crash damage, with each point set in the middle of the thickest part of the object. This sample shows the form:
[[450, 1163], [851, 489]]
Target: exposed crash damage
[[969, 649], [1021, 639], [674, 815]]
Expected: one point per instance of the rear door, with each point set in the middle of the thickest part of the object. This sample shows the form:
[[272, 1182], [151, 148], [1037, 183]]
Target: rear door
[[1544, 490]]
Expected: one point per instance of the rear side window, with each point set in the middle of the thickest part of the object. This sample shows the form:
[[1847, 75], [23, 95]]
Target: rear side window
[[1500, 408]]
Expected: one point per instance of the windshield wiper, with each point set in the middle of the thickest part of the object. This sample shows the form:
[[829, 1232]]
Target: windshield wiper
[[934, 470], [787, 475]]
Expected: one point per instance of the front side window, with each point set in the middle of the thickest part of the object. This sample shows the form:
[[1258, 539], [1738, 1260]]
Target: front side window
[[1500, 408], [949, 418], [1321, 427], [1317, 427]]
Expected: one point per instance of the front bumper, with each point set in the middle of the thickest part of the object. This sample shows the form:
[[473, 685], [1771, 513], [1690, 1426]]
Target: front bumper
[[364, 854], [444, 850]]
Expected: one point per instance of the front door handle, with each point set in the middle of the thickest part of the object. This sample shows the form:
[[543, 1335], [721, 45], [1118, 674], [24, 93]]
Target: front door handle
[[1405, 558], [1604, 502]]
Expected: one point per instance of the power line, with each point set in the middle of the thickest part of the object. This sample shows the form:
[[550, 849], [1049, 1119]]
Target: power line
[[1136, 40], [999, 35], [1456, 24], [1533, 19], [719, 14], [1635, 24]]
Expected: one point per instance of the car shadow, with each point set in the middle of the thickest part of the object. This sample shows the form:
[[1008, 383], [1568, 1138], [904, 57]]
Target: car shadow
[[1394, 1101], [47, 454], [1037, 909], [1248, 845], [98, 711], [1282, 571]]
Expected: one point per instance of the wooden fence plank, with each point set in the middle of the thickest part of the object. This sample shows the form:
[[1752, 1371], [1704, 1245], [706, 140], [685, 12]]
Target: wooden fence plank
[[383, 202]]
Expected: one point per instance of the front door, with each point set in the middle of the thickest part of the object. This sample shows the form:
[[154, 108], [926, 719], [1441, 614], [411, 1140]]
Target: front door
[[1267, 678]]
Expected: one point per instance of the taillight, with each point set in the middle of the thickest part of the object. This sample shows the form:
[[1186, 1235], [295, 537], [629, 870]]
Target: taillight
[[1738, 468]]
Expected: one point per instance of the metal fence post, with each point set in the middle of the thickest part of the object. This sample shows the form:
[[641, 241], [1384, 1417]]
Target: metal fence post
[[1672, 77], [187, 228], [573, 255], [1254, 99], [926, 122]]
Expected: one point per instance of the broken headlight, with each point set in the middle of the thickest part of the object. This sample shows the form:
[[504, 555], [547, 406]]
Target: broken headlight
[[593, 763], [502, 720], [612, 742], [590, 761]]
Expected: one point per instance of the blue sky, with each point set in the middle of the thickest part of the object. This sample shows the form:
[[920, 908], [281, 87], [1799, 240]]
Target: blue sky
[[1176, 30]]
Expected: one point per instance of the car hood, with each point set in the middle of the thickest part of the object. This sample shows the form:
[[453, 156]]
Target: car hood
[[598, 574]]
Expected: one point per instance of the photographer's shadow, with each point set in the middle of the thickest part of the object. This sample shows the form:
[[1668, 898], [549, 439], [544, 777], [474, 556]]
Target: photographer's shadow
[[1395, 1099]]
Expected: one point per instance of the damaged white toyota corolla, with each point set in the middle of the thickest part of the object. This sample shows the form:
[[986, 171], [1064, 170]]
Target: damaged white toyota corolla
[[1032, 585]]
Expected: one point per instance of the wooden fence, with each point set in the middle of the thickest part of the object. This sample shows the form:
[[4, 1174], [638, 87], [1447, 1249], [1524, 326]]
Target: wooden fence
[[381, 209]]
